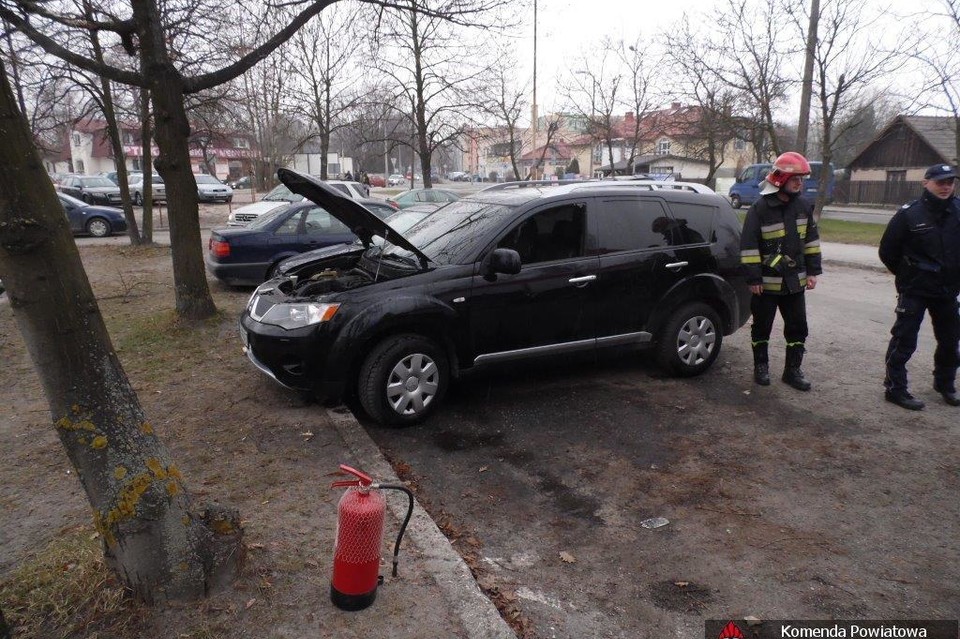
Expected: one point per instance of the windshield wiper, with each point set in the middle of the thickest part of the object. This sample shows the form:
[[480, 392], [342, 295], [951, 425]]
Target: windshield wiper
[[403, 259]]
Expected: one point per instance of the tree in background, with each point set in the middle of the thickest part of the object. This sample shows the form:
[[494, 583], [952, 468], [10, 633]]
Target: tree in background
[[158, 543], [713, 125], [506, 107], [640, 94], [168, 42], [752, 60], [846, 64], [324, 64]]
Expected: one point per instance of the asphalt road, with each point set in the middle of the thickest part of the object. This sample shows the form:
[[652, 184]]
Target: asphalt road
[[545, 473]]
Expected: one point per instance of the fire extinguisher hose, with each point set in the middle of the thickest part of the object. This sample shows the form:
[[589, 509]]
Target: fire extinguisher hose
[[406, 520]]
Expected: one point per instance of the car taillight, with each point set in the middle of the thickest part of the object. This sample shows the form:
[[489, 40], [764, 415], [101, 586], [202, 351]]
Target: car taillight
[[219, 248]]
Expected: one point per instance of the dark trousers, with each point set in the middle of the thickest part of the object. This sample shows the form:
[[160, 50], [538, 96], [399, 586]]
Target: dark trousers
[[793, 310], [946, 328]]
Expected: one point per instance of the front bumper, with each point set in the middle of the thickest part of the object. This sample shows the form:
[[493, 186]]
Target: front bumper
[[296, 359]]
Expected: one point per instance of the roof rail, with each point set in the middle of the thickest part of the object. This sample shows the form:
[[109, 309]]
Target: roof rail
[[653, 185], [503, 186]]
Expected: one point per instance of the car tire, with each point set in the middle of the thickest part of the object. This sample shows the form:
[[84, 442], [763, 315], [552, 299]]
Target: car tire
[[403, 379], [88, 198], [735, 201], [690, 340], [98, 227], [138, 199]]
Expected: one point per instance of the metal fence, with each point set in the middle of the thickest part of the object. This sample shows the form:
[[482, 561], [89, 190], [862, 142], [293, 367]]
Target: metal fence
[[875, 192]]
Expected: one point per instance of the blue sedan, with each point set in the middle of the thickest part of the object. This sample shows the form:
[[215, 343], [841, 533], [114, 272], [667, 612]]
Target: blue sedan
[[249, 255], [98, 221]]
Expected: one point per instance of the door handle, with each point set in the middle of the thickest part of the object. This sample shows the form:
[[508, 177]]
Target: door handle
[[676, 266], [584, 279]]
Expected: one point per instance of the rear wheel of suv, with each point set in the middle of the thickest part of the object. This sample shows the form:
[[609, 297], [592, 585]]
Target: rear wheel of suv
[[403, 379], [690, 340]]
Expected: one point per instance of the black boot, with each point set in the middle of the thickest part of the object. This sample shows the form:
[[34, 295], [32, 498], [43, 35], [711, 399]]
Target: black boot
[[792, 375], [761, 368]]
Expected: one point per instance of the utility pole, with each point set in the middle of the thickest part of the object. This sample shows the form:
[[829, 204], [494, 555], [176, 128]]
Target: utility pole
[[807, 87], [533, 108]]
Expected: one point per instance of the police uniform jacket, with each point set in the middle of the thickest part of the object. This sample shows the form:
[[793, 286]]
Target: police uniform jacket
[[921, 246], [780, 244]]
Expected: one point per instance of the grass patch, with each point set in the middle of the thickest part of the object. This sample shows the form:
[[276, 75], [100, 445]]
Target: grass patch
[[67, 591], [844, 232], [159, 343]]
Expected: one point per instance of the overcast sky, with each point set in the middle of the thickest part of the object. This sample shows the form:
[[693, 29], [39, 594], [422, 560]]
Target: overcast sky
[[566, 27]]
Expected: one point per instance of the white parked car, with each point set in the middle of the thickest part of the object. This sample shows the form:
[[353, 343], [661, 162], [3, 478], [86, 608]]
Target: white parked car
[[210, 189], [281, 196], [396, 180]]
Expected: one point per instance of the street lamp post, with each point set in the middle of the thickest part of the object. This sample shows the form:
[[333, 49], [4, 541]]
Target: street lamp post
[[534, 107]]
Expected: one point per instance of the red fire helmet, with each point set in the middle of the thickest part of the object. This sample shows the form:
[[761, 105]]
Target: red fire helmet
[[786, 166]]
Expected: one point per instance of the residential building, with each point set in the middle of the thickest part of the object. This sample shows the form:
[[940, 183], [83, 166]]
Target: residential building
[[889, 168], [222, 154]]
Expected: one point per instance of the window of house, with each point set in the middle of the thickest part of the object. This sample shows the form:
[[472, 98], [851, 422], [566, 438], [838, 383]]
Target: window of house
[[80, 166], [76, 139], [241, 143], [739, 145], [896, 176], [128, 138], [663, 147]]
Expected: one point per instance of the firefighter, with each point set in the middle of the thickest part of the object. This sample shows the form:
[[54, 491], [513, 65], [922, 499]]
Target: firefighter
[[780, 252], [921, 247]]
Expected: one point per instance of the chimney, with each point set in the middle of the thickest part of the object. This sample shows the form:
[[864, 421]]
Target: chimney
[[675, 106]]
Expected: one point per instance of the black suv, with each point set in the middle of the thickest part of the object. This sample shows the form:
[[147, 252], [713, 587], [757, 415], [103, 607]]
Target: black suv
[[512, 272]]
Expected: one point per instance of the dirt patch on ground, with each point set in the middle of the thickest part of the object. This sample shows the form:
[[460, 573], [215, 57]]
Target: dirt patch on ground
[[240, 439]]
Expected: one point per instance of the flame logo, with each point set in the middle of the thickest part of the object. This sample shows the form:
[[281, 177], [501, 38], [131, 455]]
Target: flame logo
[[731, 631]]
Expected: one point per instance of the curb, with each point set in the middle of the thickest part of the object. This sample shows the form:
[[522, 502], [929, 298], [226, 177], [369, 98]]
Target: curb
[[476, 612]]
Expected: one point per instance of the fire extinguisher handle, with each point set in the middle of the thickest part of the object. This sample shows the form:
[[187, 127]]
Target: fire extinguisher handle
[[363, 479]]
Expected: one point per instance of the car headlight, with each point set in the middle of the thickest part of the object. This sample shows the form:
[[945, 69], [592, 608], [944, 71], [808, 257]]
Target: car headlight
[[291, 316]]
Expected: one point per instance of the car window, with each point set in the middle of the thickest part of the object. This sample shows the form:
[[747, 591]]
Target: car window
[[383, 211], [92, 182], [206, 179], [66, 199], [629, 224], [289, 226], [342, 188], [262, 221], [694, 223], [554, 234], [319, 222]]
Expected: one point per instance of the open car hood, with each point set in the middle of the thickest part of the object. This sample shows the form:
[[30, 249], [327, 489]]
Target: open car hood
[[358, 219]]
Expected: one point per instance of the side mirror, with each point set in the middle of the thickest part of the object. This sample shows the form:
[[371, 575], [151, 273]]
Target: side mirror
[[502, 260]]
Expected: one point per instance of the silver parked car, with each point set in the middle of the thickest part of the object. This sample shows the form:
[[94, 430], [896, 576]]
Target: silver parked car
[[210, 189], [136, 188]]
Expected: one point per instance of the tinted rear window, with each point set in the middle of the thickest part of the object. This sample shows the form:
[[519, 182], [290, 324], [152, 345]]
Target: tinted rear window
[[627, 224]]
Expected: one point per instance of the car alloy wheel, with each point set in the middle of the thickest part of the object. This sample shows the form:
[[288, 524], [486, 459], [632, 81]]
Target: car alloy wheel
[[98, 227], [403, 379], [690, 340]]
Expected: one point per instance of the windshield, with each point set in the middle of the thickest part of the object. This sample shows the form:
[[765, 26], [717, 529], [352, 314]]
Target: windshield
[[450, 237], [282, 194], [266, 218], [93, 182], [207, 179]]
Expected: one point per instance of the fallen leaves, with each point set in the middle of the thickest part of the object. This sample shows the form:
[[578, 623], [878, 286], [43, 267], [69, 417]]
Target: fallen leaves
[[567, 558]]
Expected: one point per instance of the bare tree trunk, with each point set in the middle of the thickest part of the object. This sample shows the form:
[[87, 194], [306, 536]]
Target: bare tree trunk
[[173, 131], [146, 140], [158, 544]]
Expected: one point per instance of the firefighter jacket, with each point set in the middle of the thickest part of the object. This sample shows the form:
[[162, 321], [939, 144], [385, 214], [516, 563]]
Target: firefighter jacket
[[780, 244], [921, 246]]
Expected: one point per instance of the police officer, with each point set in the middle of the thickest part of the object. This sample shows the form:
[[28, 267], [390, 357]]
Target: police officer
[[921, 246], [780, 252]]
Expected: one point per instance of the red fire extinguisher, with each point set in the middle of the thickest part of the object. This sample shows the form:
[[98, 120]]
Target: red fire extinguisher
[[356, 556]]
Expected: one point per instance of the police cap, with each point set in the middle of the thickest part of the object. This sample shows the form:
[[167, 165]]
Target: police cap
[[940, 172]]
